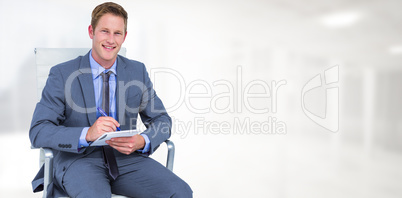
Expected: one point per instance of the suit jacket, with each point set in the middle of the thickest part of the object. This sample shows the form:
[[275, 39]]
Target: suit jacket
[[68, 105]]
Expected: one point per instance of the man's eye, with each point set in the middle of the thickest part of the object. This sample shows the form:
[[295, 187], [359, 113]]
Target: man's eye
[[104, 31]]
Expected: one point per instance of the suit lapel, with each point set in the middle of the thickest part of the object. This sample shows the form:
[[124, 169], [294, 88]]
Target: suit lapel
[[87, 87], [121, 98]]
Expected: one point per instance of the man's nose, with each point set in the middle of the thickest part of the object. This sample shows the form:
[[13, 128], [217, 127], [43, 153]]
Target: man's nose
[[110, 38]]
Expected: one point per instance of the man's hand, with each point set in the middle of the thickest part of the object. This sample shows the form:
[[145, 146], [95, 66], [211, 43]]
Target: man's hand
[[102, 125], [127, 145]]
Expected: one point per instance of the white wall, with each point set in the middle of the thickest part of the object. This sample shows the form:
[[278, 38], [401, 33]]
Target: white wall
[[218, 50]]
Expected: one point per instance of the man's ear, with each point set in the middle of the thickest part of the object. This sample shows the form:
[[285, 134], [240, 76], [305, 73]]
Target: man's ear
[[125, 34], [90, 32]]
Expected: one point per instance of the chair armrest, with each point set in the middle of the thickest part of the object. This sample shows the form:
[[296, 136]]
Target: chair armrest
[[170, 156], [46, 158]]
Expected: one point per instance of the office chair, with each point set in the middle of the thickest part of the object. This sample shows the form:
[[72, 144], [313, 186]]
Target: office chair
[[45, 59]]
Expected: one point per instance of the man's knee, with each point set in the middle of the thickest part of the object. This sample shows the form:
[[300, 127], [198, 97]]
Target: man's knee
[[95, 189], [182, 190]]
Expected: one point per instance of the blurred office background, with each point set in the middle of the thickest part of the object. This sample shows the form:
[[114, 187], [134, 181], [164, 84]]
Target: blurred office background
[[203, 42]]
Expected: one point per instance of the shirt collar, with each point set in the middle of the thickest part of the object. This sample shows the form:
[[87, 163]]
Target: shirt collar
[[98, 69]]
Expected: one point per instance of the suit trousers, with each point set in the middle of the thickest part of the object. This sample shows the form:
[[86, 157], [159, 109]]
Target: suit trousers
[[140, 176]]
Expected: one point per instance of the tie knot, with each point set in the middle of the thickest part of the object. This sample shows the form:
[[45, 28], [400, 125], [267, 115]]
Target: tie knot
[[106, 76]]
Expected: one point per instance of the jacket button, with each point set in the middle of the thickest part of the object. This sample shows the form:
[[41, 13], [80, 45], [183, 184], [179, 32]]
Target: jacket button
[[64, 169]]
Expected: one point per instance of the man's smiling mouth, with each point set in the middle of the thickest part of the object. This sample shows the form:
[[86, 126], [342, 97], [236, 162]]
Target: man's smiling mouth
[[108, 47]]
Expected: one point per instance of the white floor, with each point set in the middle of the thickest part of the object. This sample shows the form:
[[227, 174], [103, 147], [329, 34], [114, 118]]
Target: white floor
[[247, 166]]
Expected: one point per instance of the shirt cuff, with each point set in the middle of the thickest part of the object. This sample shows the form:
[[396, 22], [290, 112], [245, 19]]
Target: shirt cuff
[[147, 144], [83, 142]]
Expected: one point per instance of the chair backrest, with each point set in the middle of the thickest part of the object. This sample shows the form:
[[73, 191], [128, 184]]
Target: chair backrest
[[49, 57]]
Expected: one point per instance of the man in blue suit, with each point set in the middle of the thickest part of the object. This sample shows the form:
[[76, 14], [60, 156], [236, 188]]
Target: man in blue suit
[[67, 120]]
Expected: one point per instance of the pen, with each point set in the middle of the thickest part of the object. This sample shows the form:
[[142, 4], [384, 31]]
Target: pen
[[104, 114]]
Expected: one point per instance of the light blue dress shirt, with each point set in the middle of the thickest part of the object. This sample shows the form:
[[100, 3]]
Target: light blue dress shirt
[[98, 81]]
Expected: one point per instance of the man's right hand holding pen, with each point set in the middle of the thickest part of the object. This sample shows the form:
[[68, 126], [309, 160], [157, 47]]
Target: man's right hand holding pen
[[104, 124]]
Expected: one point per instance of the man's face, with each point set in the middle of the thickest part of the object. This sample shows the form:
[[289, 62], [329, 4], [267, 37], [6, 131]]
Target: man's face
[[107, 38]]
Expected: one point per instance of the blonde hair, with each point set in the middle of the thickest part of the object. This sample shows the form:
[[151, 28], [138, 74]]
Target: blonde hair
[[108, 7]]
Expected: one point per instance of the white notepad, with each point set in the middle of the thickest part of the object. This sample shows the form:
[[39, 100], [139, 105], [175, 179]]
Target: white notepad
[[107, 136]]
